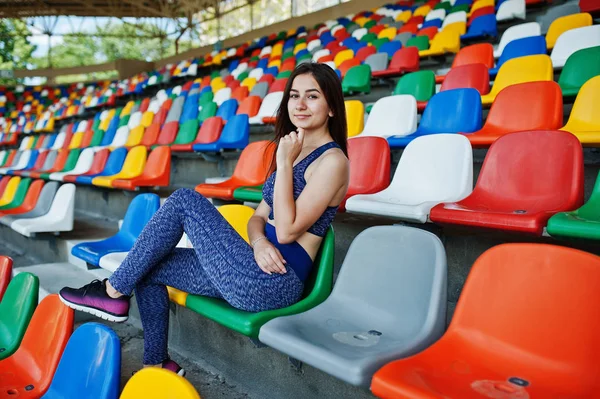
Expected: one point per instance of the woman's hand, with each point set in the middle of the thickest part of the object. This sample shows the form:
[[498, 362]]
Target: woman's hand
[[269, 258], [289, 148]]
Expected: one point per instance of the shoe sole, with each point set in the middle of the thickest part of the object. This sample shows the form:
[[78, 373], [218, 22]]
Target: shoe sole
[[94, 311]]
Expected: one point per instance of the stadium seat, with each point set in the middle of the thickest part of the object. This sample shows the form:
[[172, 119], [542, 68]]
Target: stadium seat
[[19, 195], [83, 165], [5, 274], [156, 173], [377, 62], [511, 9], [357, 80], [420, 42], [251, 170], [133, 166], [16, 309], [497, 344], [404, 60], [228, 109], [573, 40], [420, 84], [28, 373], [209, 132], [90, 366], [235, 136], [10, 190], [355, 117], [531, 45], [158, 383], [565, 23], [584, 120], [580, 67], [482, 27], [249, 106], [268, 109], [530, 68], [505, 198], [447, 41], [431, 170], [59, 217], [357, 329], [186, 134], [139, 212], [58, 165], [42, 206], [474, 76], [392, 116], [589, 6], [20, 163], [442, 115], [517, 32], [98, 163], [68, 165], [526, 106], [316, 289], [167, 134], [29, 200]]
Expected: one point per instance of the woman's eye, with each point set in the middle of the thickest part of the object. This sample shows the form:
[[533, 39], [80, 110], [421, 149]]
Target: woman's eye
[[293, 96]]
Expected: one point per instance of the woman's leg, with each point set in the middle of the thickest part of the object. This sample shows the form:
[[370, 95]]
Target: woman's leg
[[226, 259]]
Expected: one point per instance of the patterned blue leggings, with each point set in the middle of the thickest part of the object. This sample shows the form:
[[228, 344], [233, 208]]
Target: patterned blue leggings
[[220, 265]]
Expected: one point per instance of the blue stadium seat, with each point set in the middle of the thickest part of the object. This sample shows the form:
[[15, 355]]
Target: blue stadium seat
[[519, 48], [482, 27], [450, 111], [90, 366], [114, 164], [227, 109], [109, 135], [190, 108], [390, 48], [140, 210], [432, 22], [235, 136]]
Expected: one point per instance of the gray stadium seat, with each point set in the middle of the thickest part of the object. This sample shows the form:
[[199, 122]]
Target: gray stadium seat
[[176, 109], [41, 208], [386, 21], [403, 38], [389, 302], [224, 72], [396, 24], [260, 89], [377, 62], [48, 163]]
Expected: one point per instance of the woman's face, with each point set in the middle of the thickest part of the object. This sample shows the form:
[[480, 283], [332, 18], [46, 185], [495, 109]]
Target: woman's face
[[307, 105]]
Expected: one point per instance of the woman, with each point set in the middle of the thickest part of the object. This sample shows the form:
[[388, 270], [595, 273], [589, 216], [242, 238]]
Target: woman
[[300, 201]]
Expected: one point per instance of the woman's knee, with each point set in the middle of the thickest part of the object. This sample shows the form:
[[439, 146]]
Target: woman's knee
[[185, 196]]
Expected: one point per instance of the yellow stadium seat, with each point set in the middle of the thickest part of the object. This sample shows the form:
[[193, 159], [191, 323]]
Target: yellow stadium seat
[[238, 217], [481, 4], [217, 84], [342, 56], [298, 47], [389, 33], [147, 118], [422, 11], [106, 121], [460, 27], [531, 68], [135, 136], [274, 63], [355, 117], [28, 142], [127, 108], [249, 82], [10, 191], [361, 21], [76, 140], [563, 24], [158, 383], [134, 164], [584, 121], [277, 50], [404, 16], [217, 59], [176, 296], [446, 41]]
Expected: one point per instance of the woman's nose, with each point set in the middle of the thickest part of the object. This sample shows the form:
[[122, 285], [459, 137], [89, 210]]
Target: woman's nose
[[301, 103]]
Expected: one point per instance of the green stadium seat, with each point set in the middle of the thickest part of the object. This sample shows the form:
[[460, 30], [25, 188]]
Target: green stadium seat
[[357, 80], [420, 42], [581, 66], [248, 193], [420, 85]]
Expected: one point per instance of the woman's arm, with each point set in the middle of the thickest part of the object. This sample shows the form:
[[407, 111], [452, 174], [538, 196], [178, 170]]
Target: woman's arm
[[267, 256], [294, 218]]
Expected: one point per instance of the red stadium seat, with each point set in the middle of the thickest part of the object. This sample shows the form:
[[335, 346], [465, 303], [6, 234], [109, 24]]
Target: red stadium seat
[[475, 76], [209, 132], [404, 60]]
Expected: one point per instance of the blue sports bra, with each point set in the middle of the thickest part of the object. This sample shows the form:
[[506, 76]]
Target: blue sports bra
[[321, 225]]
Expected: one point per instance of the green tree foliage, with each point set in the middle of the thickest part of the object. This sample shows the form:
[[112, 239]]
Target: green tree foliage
[[15, 50]]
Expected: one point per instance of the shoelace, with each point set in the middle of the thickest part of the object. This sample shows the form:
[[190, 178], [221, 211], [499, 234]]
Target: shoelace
[[95, 285]]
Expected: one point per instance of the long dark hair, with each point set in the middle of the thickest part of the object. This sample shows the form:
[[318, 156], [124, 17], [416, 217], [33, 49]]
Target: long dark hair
[[330, 84]]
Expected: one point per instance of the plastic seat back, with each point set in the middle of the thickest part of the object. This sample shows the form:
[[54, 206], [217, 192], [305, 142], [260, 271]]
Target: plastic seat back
[[139, 212], [254, 163], [482, 53], [227, 109], [5, 273], [420, 85], [355, 116], [573, 40], [369, 165], [474, 76], [517, 32], [156, 383], [10, 190], [235, 134], [420, 42], [377, 62], [530, 68], [237, 216], [584, 114], [522, 47], [554, 164], [90, 366], [249, 106], [563, 24], [452, 111], [43, 203], [16, 308], [581, 66], [392, 115]]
